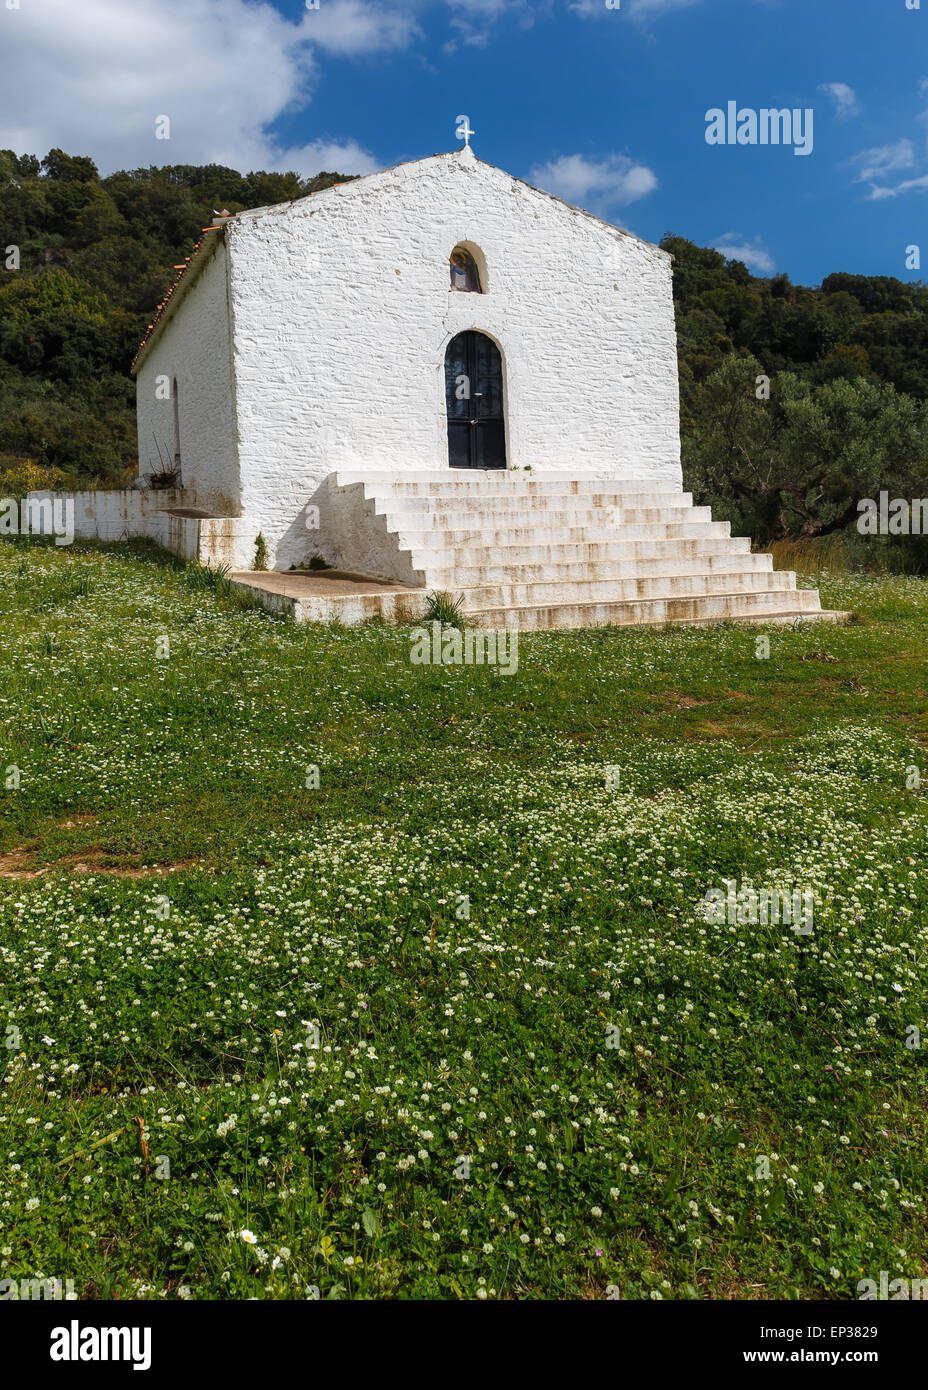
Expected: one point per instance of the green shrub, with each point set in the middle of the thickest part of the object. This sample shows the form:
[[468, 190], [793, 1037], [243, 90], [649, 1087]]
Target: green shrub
[[442, 608], [212, 577]]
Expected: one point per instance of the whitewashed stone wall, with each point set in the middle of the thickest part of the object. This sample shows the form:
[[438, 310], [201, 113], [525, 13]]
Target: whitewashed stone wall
[[342, 312], [118, 513], [115, 514], [194, 346], [312, 339]]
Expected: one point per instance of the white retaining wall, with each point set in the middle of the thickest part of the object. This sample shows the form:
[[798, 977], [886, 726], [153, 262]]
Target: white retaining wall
[[114, 515]]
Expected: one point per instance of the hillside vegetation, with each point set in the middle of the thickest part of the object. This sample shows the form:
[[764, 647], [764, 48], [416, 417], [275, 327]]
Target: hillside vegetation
[[845, 414], [96, 256]]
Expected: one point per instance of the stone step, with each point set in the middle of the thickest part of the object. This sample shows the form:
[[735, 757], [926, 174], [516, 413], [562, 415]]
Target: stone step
[[458, 517], [550, 549], [410, 607], [520, 504], [501, 482], [360, 608], [547, 535], [501, 571], [507, 487], [693, 608], [516, 593], [545, 550]]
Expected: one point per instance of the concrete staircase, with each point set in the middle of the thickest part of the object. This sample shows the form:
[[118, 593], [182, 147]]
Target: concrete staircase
[[533, 551]]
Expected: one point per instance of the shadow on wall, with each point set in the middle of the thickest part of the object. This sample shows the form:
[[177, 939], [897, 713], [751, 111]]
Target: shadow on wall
[[307, 534]]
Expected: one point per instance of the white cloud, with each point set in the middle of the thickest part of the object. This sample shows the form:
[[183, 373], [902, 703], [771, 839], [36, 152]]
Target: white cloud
[[606, 182], [754, 254], [906, 186], [349, 28], [883, 159], [876, 166], [473, 20], [93, 77], [844, 98], [338, 157]]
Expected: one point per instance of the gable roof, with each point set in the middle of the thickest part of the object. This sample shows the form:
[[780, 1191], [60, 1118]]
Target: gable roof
[[194, 263], [187, 274], [346, 189]]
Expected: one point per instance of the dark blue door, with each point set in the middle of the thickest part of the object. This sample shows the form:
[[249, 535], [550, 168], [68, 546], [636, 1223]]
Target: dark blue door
[[474, 397]]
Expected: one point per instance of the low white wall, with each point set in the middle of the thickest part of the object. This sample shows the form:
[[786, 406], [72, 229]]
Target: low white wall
[[115, 515], [226, 540]]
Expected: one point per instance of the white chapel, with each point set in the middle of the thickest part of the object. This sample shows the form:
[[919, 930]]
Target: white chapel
[[440, 377]]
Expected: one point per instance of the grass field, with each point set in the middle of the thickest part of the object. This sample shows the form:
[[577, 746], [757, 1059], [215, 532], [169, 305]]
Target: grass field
[[541, 1071]]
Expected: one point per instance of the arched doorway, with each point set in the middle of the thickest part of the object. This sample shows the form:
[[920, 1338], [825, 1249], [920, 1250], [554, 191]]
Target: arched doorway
[[474, 399]]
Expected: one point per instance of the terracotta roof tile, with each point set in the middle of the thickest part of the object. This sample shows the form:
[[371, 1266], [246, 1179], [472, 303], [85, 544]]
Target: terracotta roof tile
[[182, 268]]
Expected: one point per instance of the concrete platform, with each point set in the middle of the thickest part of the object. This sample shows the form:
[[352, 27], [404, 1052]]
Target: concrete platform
[[327, 596]]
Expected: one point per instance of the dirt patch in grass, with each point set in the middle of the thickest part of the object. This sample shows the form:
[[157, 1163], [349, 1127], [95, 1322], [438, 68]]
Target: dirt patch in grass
[[22, 865], [16, 865], [679, 700]]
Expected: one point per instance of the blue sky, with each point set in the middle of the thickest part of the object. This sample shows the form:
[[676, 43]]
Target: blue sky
[[606, 107]]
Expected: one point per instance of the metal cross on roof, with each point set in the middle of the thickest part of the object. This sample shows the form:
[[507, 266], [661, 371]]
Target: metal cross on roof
[[464, 131]]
